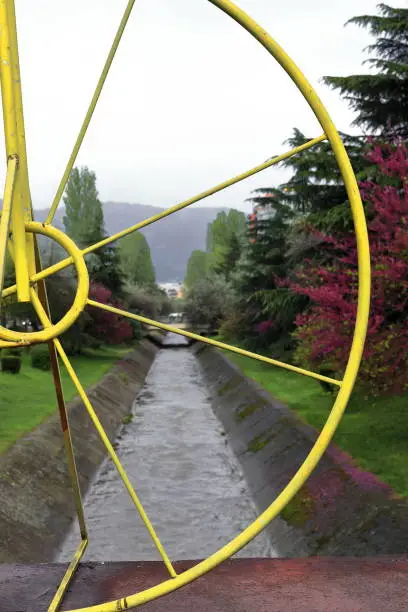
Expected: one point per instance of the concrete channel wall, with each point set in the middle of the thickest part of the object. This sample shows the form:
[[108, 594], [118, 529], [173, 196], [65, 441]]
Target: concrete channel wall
[[341, 510], [36, 504]]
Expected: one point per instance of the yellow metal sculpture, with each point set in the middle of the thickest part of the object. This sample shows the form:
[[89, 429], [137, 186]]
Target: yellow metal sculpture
[[18, 234]]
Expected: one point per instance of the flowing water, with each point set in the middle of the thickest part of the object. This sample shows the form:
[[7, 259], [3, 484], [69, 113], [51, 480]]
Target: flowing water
[[177, 457]]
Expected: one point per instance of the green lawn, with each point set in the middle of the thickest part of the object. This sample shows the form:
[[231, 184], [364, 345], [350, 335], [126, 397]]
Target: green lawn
[[27, 398], [374, 430]]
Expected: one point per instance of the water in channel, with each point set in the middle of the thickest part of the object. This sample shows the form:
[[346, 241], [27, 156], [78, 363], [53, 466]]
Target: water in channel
[[177, 457]]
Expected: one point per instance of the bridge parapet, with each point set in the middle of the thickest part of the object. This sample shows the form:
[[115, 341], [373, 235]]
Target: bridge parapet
[[316, 583]]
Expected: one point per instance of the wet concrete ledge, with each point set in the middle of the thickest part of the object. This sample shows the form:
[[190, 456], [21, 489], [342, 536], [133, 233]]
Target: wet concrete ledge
[[163, 339], [36, 505], [301, 585], [341, 510], [160, 339]]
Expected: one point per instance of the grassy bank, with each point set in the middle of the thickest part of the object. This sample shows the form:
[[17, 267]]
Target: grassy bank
[[374, 430], [27, 398]]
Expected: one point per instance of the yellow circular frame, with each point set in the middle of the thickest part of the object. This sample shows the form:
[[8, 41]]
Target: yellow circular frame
[[356, 351], [13, 338], [80, 300]]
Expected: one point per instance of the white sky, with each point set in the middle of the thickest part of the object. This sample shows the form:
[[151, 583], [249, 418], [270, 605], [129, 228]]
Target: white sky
[[191, 98]]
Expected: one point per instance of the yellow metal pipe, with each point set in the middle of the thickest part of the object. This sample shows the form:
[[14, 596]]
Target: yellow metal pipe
[[69, 450], [12, 165], [221, 345], [11, 93], [102, 434], [360, 331], [204, 194], [115, 459], [62, 409], [350, 182], [90, 111], [12, 168], [8, 77], [26, 204], [72, 468], [80, 298], [169, 211], [69, 574], [7, 87], [42, 274]]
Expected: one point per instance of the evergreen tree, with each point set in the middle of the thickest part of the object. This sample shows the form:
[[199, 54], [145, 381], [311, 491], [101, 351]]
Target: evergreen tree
[[269, 308], [381, 100], [197, 268], [84, 223], [316, 184], [226, 257], [83, 219], [225, 237], [135, 260], [105, 269], [223, 226]]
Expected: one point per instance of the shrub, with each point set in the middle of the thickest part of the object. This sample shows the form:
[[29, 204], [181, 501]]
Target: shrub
[[11, 364], [137, 332], [208, 302], [143, 303], [150, 302], [14, 350], [40, 357], [234, 326]]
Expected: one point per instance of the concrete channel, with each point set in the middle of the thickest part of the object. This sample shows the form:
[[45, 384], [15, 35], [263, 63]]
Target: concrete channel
[[203, 445], [176, 453]]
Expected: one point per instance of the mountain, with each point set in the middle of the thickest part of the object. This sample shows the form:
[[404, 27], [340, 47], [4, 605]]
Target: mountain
[[171, 239]]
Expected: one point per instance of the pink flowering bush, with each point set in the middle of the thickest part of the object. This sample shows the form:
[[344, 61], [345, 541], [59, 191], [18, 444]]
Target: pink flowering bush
[[324, 332], [107, 326]]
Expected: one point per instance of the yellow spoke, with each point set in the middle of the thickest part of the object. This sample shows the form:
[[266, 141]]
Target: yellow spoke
[[11, 99], [91, 109], [6, 214], [60, 265], [102, 434], [104, 438], [69, 574], [221, 345], [204, 194], [169, 211], [66, 432]]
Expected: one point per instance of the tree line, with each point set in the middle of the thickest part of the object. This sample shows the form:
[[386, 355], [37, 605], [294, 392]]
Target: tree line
[[121, 274], [287, 286]]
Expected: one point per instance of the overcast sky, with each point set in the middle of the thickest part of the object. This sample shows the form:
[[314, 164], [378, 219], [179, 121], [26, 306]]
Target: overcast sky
[[191, 98]]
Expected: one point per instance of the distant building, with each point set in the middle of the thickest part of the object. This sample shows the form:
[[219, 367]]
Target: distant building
[[173, 290], [260, 212], [266, 211]]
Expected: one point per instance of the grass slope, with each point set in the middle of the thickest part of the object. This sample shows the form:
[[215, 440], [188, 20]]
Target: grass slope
[[27, 398], [374, 430]]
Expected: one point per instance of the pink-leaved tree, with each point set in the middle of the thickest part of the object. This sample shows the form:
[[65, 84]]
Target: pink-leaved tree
[[324, 331]]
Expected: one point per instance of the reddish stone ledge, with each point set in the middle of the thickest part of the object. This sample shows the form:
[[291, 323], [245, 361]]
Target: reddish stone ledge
[[318, 584]]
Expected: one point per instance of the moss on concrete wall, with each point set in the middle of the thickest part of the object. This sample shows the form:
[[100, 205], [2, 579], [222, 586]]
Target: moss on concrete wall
[[36, 504], [340, 510]]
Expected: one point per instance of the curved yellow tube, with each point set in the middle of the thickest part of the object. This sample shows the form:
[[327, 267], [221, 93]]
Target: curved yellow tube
[[64, 263], [11, 98], [357, 345], [80, 298]]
